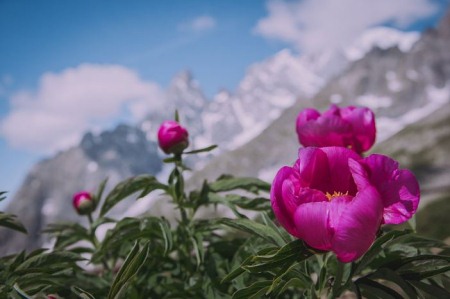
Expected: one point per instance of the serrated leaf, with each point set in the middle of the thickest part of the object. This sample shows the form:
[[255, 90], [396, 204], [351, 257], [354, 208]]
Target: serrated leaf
[[11, 221], [232, 183], [254, 228], [143, 183], [134, 261]]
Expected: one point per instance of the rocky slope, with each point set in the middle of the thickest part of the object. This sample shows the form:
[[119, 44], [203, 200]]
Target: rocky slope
[[45, 195], [423, 147]]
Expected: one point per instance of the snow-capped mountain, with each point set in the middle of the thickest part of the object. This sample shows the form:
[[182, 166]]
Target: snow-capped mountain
[[403, 87], [260, 113], [268, 88]]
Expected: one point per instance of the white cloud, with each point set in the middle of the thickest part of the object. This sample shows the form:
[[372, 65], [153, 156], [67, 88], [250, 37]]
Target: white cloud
[[199, 24], [68, 103], [313, 25]]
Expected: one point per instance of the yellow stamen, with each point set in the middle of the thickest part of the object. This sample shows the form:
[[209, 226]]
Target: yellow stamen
[[335, 194]]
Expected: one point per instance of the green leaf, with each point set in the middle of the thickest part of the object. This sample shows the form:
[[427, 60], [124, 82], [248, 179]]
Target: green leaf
[[202, 150], [293, 282], [20, 292], [167, 235], [134, 261], [402, 262], [81, 293], [199, 250], [254, 228], [143, 183], [387, 274], [294, 251], [376, 248], [413, 275], [99, 194], [432, 290], [376, 289], [238, 271], [44, 260], [254, 291], [3, 195], [11, 221], [228, 183], [67, 234]]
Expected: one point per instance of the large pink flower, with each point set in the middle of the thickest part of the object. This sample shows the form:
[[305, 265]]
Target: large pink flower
[[352, 127], [172, 137], [336, 201]]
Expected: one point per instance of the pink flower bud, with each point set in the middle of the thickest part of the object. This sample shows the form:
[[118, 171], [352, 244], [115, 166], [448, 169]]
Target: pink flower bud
[[351, 127], [83, 203], [172, 137]]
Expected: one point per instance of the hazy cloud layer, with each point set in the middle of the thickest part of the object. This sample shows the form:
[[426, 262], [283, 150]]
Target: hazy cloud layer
[[68, 103], [198, 24], [314, 25]]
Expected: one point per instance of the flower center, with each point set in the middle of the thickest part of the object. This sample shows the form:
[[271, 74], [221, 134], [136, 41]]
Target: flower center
[[335, 194]]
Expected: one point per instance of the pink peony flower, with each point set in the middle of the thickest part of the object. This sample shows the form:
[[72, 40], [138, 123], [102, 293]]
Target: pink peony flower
[[83, 202], [172, 137], [350, 127], [336, 201]]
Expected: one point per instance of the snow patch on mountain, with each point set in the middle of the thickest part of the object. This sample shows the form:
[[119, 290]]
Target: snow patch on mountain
[[383, 38], [437, 97]]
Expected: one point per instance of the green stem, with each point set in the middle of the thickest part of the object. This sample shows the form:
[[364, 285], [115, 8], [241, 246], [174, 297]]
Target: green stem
[[95, 241], [184, 248], [338, 280]]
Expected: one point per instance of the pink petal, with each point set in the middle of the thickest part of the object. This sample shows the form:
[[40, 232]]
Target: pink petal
[[306, 115], [356, 225], [328, 129], [312, 222], [362, 121], [283, 197], [313, 169], [341, 177], [398, 188], [287, 194], [359, 174]]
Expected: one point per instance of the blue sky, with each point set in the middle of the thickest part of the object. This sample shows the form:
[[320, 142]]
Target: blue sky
[[46, 44]]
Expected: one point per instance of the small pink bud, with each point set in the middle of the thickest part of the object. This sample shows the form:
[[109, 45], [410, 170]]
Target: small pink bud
[[83, 203], [51, 297], [172, 137]]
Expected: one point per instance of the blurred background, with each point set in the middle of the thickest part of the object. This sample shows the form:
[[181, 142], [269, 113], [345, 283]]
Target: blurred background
[[84, 86]]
